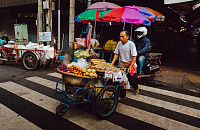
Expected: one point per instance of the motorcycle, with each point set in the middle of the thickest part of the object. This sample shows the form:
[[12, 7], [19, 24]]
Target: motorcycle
[[151, 66]]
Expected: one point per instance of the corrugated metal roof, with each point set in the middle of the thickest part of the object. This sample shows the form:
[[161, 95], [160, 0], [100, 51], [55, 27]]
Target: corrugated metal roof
[[7, 3]]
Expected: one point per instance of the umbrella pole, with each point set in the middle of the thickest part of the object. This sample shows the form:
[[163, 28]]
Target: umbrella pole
[[134, 33], [94, 31], [131, 30], [124, 26]]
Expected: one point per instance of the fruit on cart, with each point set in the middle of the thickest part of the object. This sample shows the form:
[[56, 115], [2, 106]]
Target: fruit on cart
[[77, 71], [91, 74], [93, 71], [88, 70], [87, 73], [84, 70], [95, 74], [81, 54], [63, 67]]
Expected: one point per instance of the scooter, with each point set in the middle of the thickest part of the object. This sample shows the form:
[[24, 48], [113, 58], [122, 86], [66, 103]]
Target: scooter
[[151, 66]]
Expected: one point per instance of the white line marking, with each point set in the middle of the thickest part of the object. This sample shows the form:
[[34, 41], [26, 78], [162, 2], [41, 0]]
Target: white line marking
[[11, 121], [167, 105], [153, 119], [170, 93], [83, 119]]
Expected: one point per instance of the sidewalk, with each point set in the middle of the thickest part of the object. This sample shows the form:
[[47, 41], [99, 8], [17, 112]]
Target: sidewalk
[[179, 73]]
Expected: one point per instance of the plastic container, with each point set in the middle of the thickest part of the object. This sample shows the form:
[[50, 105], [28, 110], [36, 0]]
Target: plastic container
[[61, 57]]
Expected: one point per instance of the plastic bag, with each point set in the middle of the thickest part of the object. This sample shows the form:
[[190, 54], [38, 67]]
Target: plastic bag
[[124, 79], [80, 42], [94, 43], [117, 76], [125, 83], [82, 63], [127, 86]]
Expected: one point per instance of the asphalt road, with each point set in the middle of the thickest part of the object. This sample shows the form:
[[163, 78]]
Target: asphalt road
[[28, 101]]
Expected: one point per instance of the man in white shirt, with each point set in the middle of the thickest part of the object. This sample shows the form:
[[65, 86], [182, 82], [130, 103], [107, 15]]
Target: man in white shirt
[[126, 51]]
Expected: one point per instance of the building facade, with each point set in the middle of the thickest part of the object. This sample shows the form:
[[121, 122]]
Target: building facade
[[15, 12]]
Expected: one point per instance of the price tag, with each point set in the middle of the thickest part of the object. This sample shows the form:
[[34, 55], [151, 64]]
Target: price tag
[[108, 74]]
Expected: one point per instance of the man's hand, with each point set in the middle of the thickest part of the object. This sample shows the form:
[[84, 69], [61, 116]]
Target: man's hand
[[130, 68], [114, 59]]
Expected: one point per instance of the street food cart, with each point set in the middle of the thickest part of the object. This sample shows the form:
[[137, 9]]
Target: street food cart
[[96, 84], [31, 55]]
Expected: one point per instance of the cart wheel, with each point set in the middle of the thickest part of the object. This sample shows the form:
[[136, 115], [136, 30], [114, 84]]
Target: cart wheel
[[2, 56], [106, 102], [59, 110], [30, 61]]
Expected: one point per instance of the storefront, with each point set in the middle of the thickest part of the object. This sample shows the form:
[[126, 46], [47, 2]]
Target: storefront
[[26, 14]]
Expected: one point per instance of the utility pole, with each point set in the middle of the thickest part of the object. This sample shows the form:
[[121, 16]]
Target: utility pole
[[71, 28], [39, 19], [58, 26], [49, 19], [89, 3]]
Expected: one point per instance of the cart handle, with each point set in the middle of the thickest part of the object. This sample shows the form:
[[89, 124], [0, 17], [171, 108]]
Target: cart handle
[[122, 67]]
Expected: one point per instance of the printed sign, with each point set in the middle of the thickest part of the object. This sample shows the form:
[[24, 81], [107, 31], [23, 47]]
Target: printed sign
[[108, 74], [117, 76], [44, 36]]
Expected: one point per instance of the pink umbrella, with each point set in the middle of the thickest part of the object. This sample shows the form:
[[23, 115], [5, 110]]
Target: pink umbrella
[[128, 14], [103, 6]]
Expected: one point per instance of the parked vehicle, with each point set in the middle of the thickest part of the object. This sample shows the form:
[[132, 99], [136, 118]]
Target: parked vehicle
[[151, 65]]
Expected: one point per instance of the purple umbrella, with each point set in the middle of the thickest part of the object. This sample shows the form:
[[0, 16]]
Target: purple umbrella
[[103, 6]]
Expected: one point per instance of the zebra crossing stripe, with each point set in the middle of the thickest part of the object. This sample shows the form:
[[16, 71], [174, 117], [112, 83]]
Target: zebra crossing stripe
[[143, 99], [50, 104], [170, 93], [44, 82], [55, 74], [10, 117], [167, 105], [156, 102], [152, 118]]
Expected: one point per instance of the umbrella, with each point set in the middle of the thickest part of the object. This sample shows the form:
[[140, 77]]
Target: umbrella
[[77, 19], [128, 14], [89, 16], [150, 13], [103, 6]]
